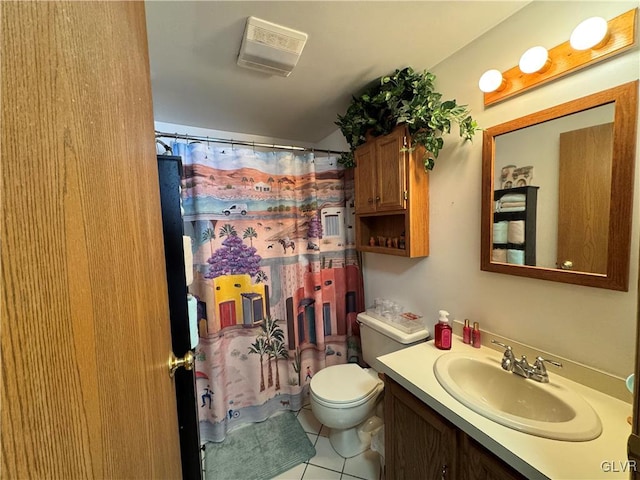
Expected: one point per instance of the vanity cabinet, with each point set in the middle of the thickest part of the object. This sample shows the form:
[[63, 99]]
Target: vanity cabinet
[[391, 196], [420, 443], [528, 216]]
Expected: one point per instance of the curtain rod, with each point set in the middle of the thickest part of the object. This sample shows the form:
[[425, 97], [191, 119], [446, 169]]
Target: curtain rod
[[199, 138]]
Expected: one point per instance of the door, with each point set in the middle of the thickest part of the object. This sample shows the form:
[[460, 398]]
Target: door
[[365, 178], [85, 331], [584, 200], [227, 314], [392, 174]]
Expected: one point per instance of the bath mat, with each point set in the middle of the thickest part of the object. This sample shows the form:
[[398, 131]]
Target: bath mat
[[259, 451]]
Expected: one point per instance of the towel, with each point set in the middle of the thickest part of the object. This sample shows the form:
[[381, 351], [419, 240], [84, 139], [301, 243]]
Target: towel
[[500, 232], [499, 255], [513, 197], [515, 257], [512, 204], [515, 232], [512, 209], [188, 259], [192, 308]]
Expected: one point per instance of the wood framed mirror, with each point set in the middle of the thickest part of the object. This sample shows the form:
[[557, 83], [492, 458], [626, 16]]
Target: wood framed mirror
[[557, 191]]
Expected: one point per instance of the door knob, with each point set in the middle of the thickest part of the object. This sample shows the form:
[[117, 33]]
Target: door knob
[[188, 362]]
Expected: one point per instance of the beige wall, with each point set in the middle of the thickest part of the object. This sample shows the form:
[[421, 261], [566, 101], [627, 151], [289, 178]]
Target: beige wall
[[593, 326]]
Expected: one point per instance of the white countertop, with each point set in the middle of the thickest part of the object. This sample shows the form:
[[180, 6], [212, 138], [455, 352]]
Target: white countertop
[[535, 457]]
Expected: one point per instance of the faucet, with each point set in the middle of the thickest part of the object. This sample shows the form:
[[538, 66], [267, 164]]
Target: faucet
[[537, 371]]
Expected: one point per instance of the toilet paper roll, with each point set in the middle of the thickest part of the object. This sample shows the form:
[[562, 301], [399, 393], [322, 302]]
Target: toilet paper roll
[[188, 259]]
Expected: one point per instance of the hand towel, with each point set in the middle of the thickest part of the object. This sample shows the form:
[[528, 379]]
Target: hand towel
[[515, 232], [192, 308], [500, 232], [188, 259], [512, 209], [499, 255], [512, 204], [515, 257]]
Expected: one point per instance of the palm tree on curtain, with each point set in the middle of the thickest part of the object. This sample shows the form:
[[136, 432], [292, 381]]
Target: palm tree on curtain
[[228, 230], [259, 347], [250, 233], [244, 181], [208, 235], [261, 277], [279, 352], [272, 333], [270, 181]]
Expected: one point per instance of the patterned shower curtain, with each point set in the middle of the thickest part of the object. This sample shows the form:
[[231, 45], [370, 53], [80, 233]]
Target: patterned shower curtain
[[276, 277]]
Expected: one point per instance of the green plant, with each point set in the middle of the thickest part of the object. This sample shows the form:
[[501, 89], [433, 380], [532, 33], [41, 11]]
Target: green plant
[[405, 97]]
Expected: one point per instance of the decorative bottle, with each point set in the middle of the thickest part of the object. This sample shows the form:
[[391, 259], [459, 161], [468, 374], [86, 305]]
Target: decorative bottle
[[475, 335], [443, 331], [466, 332]]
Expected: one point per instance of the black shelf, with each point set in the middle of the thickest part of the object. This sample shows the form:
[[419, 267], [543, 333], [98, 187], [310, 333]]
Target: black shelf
[[529, 217]]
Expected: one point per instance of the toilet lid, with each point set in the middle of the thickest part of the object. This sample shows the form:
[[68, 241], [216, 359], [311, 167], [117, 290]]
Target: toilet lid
[[342, 384]]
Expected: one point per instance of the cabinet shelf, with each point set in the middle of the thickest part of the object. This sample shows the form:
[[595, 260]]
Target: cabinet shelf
[[528, 215]]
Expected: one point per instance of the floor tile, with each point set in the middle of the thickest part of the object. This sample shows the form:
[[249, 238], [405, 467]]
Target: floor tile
[[326, 456], [294, 474], [308, 421], [318, 473], [366, 465], [325, 431], [312, 438]]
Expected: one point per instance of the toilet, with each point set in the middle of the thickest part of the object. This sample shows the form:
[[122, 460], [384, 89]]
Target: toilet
[[344, 396]]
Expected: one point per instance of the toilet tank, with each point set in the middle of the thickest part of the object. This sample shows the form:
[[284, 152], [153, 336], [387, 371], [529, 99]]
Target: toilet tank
[[379, 337]]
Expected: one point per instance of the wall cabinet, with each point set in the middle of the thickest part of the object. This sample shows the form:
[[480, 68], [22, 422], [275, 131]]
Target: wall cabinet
[[420, 443], [391, 197]]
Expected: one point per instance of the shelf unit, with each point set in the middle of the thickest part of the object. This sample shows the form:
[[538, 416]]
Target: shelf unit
[[528, 215]]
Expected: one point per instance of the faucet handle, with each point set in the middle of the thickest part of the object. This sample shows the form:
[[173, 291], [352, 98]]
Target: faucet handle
[[541, 361]]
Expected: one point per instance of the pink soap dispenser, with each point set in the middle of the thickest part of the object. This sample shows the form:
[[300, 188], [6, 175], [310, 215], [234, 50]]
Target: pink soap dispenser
[[443, 331]]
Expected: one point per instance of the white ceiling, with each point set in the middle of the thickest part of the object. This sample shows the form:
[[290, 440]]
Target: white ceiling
[[193, 48]]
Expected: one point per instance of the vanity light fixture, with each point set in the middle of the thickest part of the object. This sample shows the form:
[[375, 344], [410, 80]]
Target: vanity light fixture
[[535, 60], [591, 33], [492, 81], [562, 59]]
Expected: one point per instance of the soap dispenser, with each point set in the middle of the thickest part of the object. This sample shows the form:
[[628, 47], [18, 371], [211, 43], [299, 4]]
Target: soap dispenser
[[443, 331]]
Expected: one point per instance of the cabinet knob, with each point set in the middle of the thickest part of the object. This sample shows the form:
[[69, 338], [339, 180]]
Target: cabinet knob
[[377, 198], [370, 200]]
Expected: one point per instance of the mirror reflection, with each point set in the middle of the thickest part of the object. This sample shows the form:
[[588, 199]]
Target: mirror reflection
[[564, 214], [557, 191]]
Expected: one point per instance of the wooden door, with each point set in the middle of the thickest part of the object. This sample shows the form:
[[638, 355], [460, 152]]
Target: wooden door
[[584, 198], [85, 329], [365, 178], [227, 314], [392, 173]]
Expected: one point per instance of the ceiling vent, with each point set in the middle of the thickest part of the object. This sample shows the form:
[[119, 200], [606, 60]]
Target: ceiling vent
[[270, 48]]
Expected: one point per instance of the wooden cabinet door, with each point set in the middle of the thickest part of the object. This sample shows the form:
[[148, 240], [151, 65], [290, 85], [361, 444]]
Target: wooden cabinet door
[[419, 443], [477, 463], [365, 178], [392, 173]]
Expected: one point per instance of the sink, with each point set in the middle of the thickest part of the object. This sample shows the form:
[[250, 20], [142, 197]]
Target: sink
[[549, 410]]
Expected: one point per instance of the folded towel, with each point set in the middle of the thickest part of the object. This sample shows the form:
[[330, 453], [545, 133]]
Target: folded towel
[[500, 232], [512, 209], [499, 255], [512, 204], [515, 232], [515, 256], [513, 197]]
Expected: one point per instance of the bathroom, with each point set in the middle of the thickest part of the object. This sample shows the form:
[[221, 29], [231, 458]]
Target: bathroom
[[592, 326]]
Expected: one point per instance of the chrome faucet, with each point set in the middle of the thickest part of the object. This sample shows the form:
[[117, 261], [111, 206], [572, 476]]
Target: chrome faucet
[[537, 371]]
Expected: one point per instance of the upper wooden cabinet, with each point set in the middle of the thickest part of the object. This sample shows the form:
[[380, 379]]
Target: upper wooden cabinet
[[391, 197]]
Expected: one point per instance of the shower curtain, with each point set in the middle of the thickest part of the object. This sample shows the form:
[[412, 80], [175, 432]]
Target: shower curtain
[[276, 277]]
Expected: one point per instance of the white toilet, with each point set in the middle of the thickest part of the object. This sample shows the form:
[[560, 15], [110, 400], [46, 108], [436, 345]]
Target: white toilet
[[344, 396]]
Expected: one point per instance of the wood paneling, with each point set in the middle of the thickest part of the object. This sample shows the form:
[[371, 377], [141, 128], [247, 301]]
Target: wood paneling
[[85, 329]]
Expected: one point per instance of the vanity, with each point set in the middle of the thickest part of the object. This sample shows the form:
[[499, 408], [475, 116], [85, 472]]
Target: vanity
[[429, 434]]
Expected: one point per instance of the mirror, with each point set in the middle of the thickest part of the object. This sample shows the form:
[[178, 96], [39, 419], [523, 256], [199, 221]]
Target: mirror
[[557, 191]]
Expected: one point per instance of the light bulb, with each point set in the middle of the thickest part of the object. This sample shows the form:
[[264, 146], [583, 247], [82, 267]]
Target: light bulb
[[591, 33], [536, 59], [492, 81]]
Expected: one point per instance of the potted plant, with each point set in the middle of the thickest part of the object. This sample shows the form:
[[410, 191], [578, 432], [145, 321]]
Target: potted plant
[[405, 97]]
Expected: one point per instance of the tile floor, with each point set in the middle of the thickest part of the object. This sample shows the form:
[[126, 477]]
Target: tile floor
[[327, 464]]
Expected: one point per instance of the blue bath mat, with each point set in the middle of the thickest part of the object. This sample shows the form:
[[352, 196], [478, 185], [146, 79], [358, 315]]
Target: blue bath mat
[[259, 451]]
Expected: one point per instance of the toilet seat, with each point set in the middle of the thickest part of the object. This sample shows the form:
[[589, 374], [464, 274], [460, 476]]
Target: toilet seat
[[344, 386]]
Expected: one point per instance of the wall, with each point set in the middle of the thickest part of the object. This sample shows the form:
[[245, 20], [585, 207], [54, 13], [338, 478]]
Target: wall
[[593, 326]]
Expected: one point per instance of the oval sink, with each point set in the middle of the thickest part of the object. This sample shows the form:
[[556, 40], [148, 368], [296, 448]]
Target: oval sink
[[548, 410]]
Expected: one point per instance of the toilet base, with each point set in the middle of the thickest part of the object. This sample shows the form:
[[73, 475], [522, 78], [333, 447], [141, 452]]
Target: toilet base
[[347, 442]]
